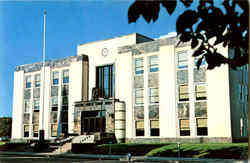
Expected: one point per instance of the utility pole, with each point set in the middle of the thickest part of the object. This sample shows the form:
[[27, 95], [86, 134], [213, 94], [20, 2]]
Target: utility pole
[[41, 132]]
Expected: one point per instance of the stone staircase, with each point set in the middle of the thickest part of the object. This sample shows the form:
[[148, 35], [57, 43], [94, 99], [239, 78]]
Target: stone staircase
[[64, 148], [63, 145]]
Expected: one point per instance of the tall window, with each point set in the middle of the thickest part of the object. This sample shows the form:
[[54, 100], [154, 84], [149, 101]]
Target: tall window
[[36, 105], [105, 79], [153, 64], [154, 128], [35, 130], [37, 80], [55, 77], [54, 103], [139, 96], [65, 76], [139, 66], [183, 93], [26, 106], [139, 127], [182, 59], [200, 91], [28, 81], [153, 95], [26, 131]]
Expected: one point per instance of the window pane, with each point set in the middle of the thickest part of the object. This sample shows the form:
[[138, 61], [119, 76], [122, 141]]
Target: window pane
[[139, 124], [139, 66], [153, 60], [28, 81], [54, 101], [66, 73], [26, 128], [183, 88], [184, 124], [36, 105], [139, 93], [182, 59], [26, 106], [65, 90], [139, 62], [154, 91], [37, 80], [154, 124], [55, 75], [139, 100]]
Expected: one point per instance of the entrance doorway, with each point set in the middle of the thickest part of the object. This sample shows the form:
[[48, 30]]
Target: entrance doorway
[[93, 121]]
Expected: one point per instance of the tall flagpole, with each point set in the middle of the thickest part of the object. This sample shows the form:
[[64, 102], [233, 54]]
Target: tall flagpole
[[41, 137]]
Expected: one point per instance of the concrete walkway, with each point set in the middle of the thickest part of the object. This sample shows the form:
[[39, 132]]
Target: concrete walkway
[[124, 157]]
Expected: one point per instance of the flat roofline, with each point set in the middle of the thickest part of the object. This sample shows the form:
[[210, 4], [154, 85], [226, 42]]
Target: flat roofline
[[91, 42]]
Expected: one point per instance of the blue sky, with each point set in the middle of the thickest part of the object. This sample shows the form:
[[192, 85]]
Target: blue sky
[[69, 23]]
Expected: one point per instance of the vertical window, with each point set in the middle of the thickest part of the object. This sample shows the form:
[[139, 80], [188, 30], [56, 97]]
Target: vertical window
[[65, 76], [37, 80], [182, 59], [201, 126], [139, 96], [139, 127], [139, 66], [53, 130], [200, 91], [28, 81], [26, 106], [183, 92], [153, 95], [54, 103], [184, 127], [65, 100], [26, 131], [36, 105], [154, 128], [55, 77], [153, 64], [35, 130], [65, 90], [105, 79]]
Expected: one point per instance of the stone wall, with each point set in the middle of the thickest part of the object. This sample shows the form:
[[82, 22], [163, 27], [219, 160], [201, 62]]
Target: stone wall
[[152, 46], [53, 64]]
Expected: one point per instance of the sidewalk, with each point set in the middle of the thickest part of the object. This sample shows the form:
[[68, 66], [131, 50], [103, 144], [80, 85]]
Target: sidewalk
[[124, 157]]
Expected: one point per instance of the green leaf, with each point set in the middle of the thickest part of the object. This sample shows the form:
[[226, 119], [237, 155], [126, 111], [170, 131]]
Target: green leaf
[[186, 20], [169, 5], [185, 37], [194, 43], [133, 12], [187, 3], [198, 64], [199, 51]]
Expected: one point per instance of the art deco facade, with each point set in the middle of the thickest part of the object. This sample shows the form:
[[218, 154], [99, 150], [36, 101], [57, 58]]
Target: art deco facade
[[163, 95]]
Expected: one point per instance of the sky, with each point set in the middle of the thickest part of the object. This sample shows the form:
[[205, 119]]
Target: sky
[[69, 23]]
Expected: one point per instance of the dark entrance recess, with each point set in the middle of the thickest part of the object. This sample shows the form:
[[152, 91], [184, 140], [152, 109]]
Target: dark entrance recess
[[93, 121]]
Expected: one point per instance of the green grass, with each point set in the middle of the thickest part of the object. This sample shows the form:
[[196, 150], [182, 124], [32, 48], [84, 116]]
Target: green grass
[[2, 143], [230, 150]]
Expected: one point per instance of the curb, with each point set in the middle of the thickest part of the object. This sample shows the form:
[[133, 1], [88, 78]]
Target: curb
[[123, 157]]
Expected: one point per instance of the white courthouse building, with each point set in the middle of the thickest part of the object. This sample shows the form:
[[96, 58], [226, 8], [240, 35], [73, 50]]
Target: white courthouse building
[[151, 91]]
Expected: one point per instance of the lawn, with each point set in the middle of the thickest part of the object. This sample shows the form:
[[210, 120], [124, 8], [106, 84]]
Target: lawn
[[219, 150], [229, 150], [2, 143]]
